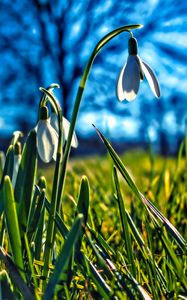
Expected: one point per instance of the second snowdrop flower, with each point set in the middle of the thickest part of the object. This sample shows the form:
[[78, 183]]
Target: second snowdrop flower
[[47, 137], [134, 71]]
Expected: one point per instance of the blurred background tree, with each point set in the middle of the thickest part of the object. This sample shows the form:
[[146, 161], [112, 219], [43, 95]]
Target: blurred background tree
[[43, 41]]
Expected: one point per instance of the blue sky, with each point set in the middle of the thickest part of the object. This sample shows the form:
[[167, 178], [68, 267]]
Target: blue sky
[[41, 44]]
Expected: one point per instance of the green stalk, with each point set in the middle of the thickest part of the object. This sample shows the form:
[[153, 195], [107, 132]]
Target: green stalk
[[80, 91], [13, 226], [125, 226], [53, 206]]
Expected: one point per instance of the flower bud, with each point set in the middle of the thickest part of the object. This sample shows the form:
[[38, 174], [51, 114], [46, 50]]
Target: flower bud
[[43, 113]]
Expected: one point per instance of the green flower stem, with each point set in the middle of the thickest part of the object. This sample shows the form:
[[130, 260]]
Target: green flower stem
[[44, 97], [80, 91], [51, 221]]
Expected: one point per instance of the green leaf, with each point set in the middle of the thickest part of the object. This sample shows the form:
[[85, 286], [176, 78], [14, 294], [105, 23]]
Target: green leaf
[[92, 272], [12, 225], [26, 178], [41, 185], [39, 235], [8, 170], [171, 229], [83, 204], [15, 275], [9, 162], [58, 221], [31, 267], [64, 257], [177, 264], [124, 221], [32, 227], [150, 207]]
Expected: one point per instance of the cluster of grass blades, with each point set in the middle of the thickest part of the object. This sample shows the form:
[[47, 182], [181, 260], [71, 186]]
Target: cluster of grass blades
[[101, 249]]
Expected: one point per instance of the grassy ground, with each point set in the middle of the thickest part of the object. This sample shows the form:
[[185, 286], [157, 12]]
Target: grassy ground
[[162, 180], [154, 177], [128, 250]]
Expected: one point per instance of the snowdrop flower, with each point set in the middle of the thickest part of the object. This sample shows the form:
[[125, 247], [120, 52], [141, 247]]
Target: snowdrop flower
[[16, 135], [131, 74], [65, 126], [47, 137], [17, 160]]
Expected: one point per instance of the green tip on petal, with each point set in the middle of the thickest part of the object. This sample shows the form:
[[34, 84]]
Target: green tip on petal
[[133, 46], [43, 113]]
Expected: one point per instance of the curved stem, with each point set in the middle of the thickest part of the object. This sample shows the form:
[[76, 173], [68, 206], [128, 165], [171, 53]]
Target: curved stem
[[54, 102], [80, 91], [51, 221], [44, 97]]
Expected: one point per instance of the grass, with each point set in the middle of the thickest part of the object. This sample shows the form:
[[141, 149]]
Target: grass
[[111, 242]]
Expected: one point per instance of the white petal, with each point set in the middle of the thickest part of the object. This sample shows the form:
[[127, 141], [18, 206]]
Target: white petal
[[119, 90], [47, 140], [151, 78], [54, 121], [66, 126], [129, 80], [54, 124]]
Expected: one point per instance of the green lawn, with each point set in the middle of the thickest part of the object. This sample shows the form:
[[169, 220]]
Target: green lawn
[[128, 249]]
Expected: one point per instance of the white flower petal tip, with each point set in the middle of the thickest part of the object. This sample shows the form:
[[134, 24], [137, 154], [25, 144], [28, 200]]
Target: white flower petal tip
[[65, 126], [129, 80], [47, 141], [54, 121], [151, 78]]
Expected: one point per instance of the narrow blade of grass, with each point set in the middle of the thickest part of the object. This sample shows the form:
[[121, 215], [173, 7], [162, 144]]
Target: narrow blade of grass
[[83, 204], [64, 257], [15, 276], [92, 272], [173, 231], [32, 227], [12, 225], [8, 170], [177, 265], [120, 166], [39, 235], [26, 178], [124, 221], [31, 267], [58, 221]]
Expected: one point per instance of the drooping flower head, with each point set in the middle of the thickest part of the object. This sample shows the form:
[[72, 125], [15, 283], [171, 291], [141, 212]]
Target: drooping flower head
[[47, 137], [133, 72]]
